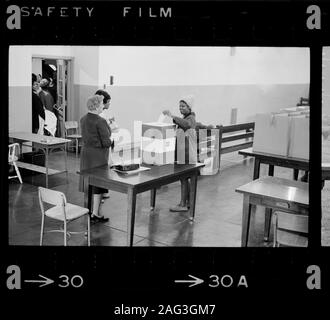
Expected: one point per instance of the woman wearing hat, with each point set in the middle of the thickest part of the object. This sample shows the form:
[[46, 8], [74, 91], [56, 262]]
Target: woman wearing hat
[[185, 145]]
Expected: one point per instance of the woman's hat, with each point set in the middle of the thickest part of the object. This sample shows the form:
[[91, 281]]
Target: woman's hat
[[189, 100]]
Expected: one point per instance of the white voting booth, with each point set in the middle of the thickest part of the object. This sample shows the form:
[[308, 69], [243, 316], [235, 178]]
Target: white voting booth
[[285, 133], [158, 143]]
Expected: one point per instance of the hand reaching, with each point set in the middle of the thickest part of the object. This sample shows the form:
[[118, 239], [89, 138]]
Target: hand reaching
[[167, 113]]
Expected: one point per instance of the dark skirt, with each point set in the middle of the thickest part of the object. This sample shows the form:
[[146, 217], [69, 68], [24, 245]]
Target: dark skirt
[[91, 158]]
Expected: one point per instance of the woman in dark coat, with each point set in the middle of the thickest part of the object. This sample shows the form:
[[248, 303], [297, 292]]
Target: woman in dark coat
[[95, 147], [185, 145]]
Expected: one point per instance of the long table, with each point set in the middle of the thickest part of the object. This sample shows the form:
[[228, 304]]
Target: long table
[[157, 176], [44, 143], [273, 193]]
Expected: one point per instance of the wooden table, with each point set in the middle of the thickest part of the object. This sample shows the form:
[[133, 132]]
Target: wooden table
[[274, 193], [274, 160], [44, 143], [140, 182]]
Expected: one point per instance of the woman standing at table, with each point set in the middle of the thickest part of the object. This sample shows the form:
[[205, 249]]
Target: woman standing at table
[[185, 145], [95, 148]]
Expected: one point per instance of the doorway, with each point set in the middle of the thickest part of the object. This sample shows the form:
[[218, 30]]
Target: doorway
[[58, 72]]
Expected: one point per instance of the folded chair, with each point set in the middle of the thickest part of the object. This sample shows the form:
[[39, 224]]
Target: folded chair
[[61, 211], [290, 229]]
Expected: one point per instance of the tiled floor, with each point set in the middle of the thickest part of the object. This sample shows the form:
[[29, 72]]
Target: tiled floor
[[217, 219]]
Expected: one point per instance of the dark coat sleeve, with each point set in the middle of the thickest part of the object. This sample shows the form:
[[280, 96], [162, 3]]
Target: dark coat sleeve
[[104, 132], [186, 123]]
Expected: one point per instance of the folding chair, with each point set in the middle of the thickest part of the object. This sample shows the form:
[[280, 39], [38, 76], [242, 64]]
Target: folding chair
[[72, 132], [62, 211]]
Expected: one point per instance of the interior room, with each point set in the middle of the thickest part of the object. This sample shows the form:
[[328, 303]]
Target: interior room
[[251, 102]]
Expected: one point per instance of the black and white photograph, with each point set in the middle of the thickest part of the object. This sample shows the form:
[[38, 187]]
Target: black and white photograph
[[158, 146], [172, 149]]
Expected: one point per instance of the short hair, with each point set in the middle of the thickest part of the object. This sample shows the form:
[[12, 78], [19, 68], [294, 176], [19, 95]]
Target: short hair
[[94, 102], [34, 78], [105, 94]]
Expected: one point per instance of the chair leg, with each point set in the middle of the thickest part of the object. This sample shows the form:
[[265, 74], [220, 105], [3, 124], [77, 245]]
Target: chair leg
[[42, 229], [17, 172], [88, 231], [65, 241]]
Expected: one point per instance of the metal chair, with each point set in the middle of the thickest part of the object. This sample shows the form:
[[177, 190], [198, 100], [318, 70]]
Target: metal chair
[[72, 132], [290, 229], [62, 211], [13, 152]]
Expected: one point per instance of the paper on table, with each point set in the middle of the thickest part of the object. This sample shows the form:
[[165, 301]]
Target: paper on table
[[164, 119]]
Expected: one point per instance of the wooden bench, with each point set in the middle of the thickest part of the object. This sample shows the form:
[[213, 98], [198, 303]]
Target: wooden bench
[[234, 133]]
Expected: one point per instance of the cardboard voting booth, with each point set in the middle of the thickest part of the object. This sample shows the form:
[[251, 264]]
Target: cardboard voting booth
[[271, 134], [158, 143], [299, 137], [284, 134]]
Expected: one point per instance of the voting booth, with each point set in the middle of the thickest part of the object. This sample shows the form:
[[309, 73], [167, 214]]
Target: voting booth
[[158, 143], [284, 133]]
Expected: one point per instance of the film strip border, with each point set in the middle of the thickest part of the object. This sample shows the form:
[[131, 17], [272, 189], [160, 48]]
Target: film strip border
[[270, 23]]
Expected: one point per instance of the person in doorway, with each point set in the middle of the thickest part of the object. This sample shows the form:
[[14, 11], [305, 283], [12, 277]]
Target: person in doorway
[[52, 89], [103, 114], [95, 148], [45, 96], [188, 124], [38, 111]]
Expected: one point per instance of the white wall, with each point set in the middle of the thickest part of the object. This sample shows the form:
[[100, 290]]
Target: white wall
[[20, 61], [149, 79], [139, 66], [86, 65]]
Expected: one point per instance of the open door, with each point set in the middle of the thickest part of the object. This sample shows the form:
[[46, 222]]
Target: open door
[[62, 93]]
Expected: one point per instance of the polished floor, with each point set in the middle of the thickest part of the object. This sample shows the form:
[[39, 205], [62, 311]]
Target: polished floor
[[217, 220]]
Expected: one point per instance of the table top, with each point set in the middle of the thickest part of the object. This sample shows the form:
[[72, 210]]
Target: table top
[[249, 152], [155, 173], [278, 189], [37, 138]]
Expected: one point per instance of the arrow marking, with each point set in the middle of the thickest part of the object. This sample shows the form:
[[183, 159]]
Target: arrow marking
[[45, 282], [194, 282]]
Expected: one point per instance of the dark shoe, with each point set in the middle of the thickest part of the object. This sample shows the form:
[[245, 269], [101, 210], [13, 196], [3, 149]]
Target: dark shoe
[[95, 218], [178, 208]]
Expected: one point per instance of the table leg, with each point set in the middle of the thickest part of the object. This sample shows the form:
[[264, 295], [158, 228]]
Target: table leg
[[87, 194], [66, 161], [268, 211], [131, 202], [246, 220], [46, 165], [295, 174], [256, 171], [192, 196], [152, 199]]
